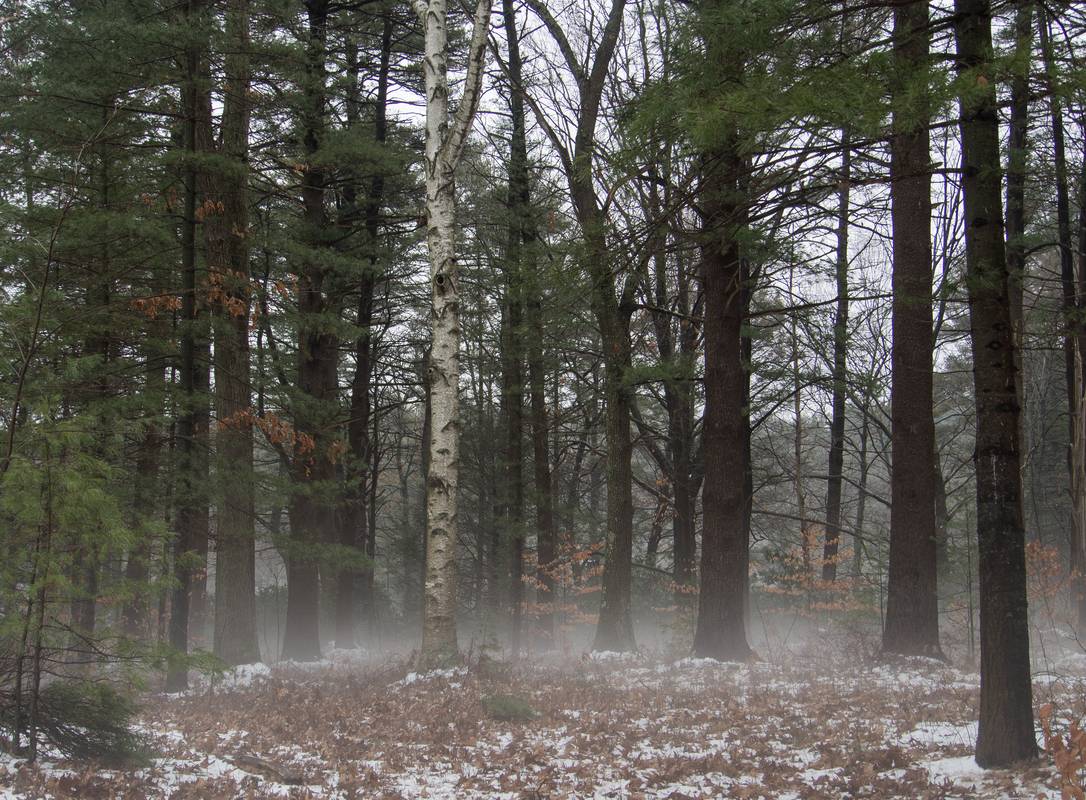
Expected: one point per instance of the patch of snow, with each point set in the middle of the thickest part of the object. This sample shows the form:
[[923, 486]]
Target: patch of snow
[[243, 676], [434, 674], [942, 734], [692, 662], [960, 770], [612, 656]]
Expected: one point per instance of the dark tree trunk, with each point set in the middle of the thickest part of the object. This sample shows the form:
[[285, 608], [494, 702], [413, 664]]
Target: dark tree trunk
[[201, 451], [84, 606], [721, 623], [1017, 161], [840, 371], [912, 609], [807, 532], [546, 537], [1079, 443], [1081, 345], [369, 587], [1073, 328], [313, 471], [520, 239], [942, 519], [749, 279], [353, 519], [189, 485], [373, 227], [135, 615], [615, 629], [512, 461], [520, 206], [510, 488], [1006, 732], [861, 492], [677, 346], [201, 456], [612, 311], [235, 637]]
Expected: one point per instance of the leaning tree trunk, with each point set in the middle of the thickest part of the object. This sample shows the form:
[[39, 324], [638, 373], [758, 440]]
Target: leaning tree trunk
[[912, 608], [1006, 732], [444, 145]]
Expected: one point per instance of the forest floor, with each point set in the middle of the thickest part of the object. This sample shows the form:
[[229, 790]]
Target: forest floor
[[599, 727]]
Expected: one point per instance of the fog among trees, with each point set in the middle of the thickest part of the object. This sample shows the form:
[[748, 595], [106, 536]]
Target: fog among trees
[[542, 398]]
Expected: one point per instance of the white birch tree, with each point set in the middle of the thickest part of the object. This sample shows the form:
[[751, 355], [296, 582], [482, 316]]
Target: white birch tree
[[445, 138]]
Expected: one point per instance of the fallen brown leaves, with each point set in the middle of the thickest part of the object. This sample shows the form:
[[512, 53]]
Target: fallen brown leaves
[[620, 729]]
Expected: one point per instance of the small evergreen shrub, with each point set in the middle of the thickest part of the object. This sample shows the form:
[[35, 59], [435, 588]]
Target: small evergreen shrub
[[87, 721], [508, 708]]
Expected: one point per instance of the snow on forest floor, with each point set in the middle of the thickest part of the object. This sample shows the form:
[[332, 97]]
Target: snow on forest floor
[[606, 726]]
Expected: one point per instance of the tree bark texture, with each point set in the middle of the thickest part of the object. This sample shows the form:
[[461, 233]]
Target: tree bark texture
[[312, 469], [835, 472], [444, 144], [1006, 732], [912, 609], [226, 226], [721, 619]]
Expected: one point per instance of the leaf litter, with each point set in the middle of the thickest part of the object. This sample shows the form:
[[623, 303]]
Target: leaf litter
[[602, 727]]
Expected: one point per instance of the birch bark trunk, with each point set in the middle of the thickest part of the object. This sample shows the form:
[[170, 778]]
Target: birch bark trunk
[[444, 144]]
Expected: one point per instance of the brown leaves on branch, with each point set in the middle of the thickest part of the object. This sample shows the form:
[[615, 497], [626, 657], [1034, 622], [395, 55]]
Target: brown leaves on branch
[[229, 290], [1068, 752], [276, 430], [155, 305]]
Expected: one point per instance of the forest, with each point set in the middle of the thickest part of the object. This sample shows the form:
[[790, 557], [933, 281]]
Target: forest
[[542, 399]]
